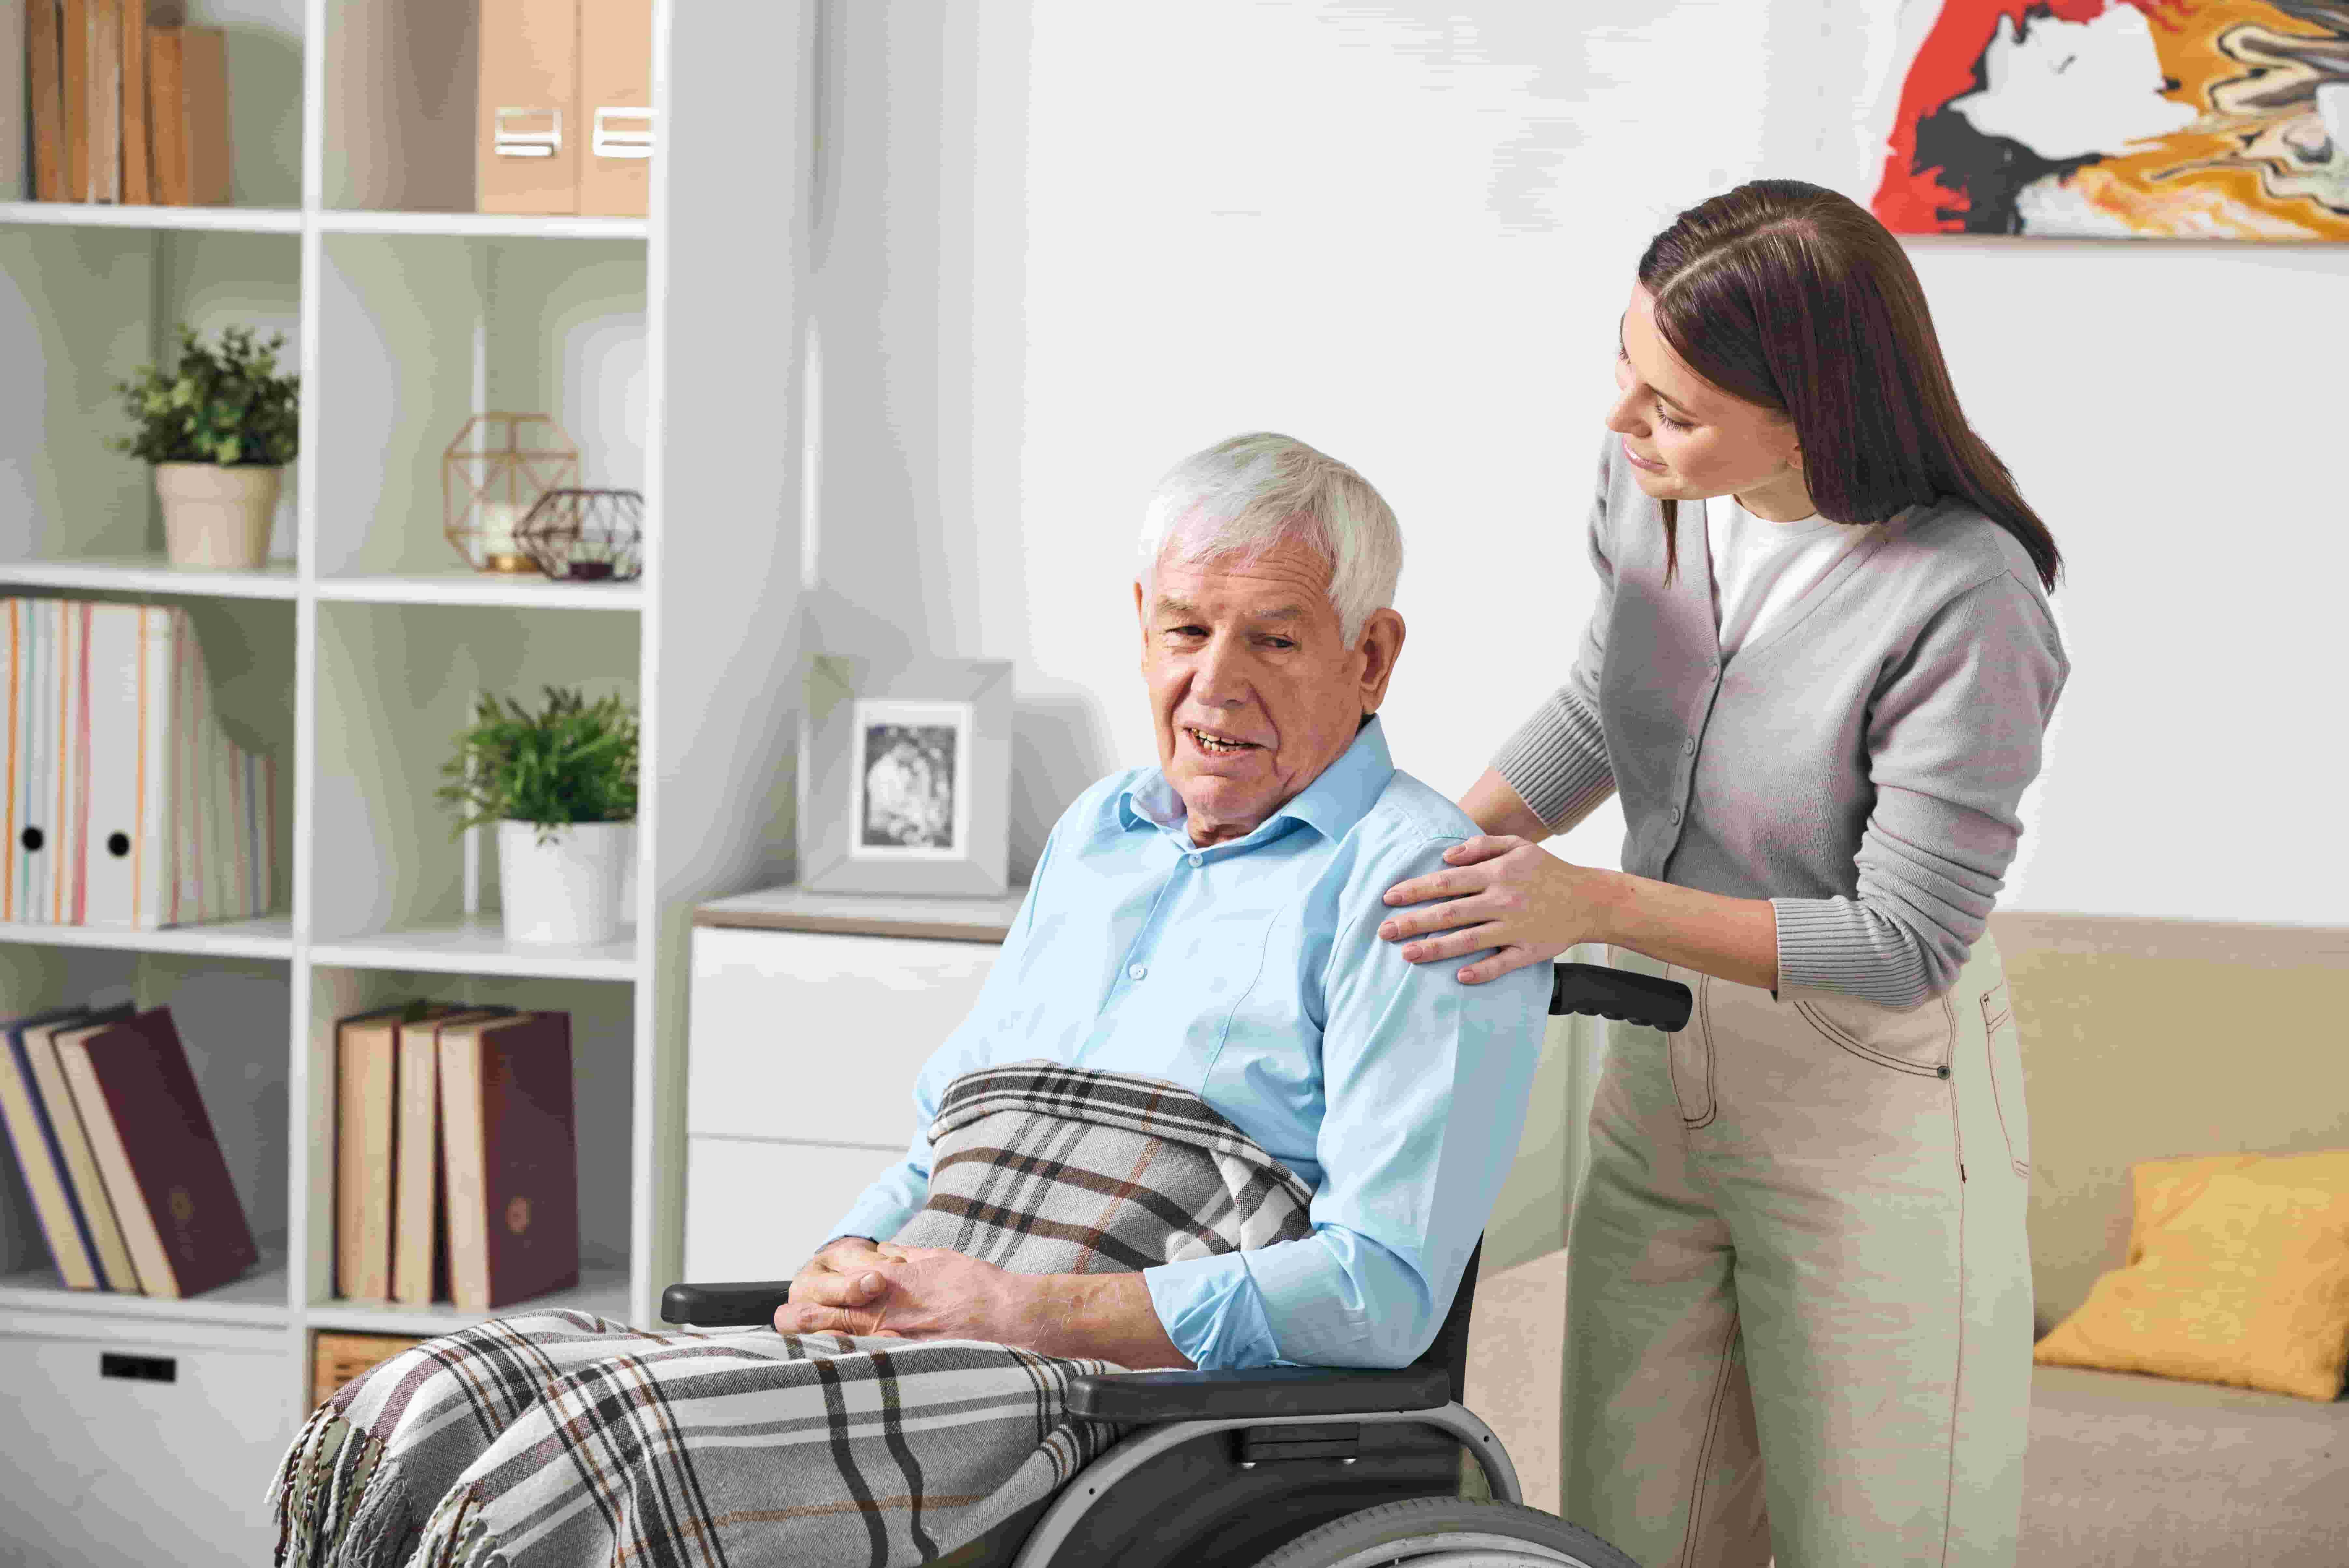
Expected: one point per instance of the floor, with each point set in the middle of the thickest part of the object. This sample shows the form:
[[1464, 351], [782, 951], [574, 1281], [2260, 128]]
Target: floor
[[1515, 1341]]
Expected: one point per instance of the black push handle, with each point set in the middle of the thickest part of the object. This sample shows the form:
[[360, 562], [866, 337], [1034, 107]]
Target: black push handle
[[1618, 993], [732, 1304]]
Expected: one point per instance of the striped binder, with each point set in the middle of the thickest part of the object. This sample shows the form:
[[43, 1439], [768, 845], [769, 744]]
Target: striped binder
[[128, 803]]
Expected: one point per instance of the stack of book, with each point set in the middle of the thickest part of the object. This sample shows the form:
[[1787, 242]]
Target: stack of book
[[456, 1159], [117, 1152], [125, 802], [127, 103]]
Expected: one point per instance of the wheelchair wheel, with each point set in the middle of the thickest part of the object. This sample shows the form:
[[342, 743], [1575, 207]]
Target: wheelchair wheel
[[1448, 1532]]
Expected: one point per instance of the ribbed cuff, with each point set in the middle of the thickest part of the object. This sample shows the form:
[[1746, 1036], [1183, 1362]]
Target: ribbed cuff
[[1837, 945], [1556, 762]]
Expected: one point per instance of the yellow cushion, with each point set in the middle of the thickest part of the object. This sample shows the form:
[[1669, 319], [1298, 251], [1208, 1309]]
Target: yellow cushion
[[2238, 1272], [2163, 1187]]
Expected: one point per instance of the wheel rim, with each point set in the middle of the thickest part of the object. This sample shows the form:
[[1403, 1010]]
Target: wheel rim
[[1469, 1549]]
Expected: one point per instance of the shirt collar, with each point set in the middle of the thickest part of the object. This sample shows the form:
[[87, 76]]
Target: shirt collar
[[1331, 805]]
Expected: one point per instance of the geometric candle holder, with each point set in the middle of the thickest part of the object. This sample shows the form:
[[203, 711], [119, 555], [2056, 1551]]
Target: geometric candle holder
[[491, 475], [585, 535]]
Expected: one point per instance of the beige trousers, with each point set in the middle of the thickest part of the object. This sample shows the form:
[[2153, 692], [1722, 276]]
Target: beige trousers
[[1798, 1292]]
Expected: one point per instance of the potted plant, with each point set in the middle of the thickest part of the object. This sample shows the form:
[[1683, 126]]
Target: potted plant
[[220, 429], [561, 784]]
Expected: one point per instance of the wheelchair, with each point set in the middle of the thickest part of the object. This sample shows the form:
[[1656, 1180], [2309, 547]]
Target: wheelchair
[[1286, 1467]]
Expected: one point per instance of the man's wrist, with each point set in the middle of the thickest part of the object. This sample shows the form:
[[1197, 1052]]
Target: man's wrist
[[1037, 1309], [1108, 1317]]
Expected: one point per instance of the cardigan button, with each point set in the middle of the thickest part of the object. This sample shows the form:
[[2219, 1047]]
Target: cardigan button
[[1676, 814]]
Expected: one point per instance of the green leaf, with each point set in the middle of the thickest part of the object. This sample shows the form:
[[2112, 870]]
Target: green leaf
[[570, 762], [225, 404]]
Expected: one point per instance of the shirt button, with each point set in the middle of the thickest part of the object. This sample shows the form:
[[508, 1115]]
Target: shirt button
[[1198, 860], [1135, 972]]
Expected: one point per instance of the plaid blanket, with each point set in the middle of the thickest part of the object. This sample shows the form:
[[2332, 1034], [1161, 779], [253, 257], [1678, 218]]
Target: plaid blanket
[[558, 1438]]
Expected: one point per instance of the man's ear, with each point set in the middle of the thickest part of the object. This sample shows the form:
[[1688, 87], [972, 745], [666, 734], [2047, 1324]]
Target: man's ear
[[1142, 620], [1379, 645]]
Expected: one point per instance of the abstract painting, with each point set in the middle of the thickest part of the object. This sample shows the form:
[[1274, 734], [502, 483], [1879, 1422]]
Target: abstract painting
[[2135, 119]]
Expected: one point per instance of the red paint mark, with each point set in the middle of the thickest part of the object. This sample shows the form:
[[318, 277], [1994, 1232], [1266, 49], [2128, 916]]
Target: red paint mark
[[1914, 201]]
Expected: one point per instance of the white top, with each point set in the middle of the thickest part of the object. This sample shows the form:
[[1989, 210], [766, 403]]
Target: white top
[[1760, 567]]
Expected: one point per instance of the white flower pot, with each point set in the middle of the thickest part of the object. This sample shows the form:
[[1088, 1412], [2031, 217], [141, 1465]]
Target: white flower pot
[[571, 890], [215, 516]]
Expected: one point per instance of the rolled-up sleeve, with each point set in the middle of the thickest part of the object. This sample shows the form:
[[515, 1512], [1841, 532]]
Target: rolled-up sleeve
[[1955, 735], [1556, 760], [1425, 1082]]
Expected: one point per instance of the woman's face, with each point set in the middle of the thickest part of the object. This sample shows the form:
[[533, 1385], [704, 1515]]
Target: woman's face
[[1687, 438]]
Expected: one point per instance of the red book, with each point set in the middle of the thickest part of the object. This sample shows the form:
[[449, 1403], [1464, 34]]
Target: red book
[[155, 1146], [511, 1164]]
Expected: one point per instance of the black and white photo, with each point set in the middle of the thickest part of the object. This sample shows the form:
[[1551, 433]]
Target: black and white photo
[[906, 782], [910, 800]]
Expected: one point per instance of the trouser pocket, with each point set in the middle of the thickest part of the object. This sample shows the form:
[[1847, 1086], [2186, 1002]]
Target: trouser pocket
[[1910, 1039], [1688, 1055], [2004, 1044]]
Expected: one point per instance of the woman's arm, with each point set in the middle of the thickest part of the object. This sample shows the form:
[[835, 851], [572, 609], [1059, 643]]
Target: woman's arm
[[1499, 809], [1955, 738], [1527, 905], [1956, 734], [1735, 939]]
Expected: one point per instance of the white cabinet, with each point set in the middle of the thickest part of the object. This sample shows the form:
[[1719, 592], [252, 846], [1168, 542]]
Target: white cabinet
[[134, 1444], [810, 1017], [797, 1035], [756, 1208]]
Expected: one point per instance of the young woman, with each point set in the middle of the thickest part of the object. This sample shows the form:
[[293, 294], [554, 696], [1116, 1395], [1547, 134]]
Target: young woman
[[1818, 674]]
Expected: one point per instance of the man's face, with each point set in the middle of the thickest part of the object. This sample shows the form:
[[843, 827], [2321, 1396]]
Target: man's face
[[1253, 689]]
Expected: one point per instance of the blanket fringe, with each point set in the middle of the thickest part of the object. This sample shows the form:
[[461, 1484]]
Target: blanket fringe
[[377, 1535], [456, 1536], [329, 1466]]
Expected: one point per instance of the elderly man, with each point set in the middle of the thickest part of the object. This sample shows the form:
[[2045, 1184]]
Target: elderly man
[[1201, 1117], [1211, 922]]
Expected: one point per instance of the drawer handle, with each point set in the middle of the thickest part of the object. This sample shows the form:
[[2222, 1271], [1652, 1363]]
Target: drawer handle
[[612, 141], [507, 142], [145, 1368]]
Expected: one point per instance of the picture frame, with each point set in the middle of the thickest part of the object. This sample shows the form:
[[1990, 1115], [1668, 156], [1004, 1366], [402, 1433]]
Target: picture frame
[[904, 783]]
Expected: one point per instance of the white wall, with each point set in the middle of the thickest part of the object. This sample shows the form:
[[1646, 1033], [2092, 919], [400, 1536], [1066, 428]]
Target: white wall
[[1059, 245]]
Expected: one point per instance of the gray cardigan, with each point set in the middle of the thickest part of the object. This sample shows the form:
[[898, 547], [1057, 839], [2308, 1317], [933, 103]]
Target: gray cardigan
[[1857, 762]]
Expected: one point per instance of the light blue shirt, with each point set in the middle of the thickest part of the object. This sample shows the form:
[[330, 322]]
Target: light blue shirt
[[1251, 973]]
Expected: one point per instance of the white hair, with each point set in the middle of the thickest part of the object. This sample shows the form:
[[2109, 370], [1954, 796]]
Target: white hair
[[1245, 495]]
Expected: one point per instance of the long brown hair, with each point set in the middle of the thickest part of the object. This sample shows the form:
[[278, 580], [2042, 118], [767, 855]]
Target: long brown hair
[[1794, 297]]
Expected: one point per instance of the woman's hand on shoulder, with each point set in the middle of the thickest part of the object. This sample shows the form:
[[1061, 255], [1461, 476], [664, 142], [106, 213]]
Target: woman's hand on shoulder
[[1497, 891]]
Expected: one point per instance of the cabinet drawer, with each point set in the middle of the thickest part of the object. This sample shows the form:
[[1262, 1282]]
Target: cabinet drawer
[[756, 1210], [776, 1012], [139, 1450]]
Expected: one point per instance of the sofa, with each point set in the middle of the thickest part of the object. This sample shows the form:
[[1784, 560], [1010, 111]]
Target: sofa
[[2141, 1039]]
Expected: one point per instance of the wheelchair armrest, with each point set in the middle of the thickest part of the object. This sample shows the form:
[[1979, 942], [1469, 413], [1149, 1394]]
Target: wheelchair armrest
[[1256, 1391], [738, 1304]]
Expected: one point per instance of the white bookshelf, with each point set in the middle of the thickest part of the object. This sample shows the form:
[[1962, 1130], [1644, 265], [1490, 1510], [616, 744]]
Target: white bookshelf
[[217, 220], [668, 348]]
